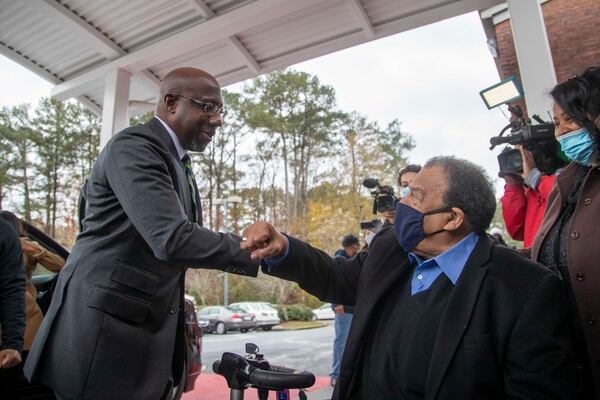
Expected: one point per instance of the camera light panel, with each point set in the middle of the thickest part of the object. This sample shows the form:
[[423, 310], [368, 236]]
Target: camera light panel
[[502, 93]]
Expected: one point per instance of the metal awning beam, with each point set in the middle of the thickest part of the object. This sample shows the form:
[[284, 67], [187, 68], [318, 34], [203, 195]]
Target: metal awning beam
[[233, 41], [211, 31], [45, 74], [363, 18], [54, 10]]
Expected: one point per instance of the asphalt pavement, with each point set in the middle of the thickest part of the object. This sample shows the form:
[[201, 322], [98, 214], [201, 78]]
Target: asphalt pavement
[[307, 349]]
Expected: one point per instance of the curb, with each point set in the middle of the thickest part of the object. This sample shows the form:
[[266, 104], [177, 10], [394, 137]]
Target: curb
[[279, 328]]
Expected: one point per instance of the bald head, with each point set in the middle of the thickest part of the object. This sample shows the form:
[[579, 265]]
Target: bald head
[[190, 103], [185, 81]]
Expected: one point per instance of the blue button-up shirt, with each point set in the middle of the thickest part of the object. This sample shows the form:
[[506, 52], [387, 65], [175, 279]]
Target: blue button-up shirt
[[451, 263]]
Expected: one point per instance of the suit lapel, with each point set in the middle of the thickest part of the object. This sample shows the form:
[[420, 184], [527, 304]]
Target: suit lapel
[[180, 181], [386, 272], [457, 315]]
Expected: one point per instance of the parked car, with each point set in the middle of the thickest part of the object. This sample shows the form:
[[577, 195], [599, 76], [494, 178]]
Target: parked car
[[266, 316], [323, 312], [46, 282], [222, 319]]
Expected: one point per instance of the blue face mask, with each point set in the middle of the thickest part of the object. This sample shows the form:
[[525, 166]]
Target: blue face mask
[[409, 225], [578, 146], [405, 191]]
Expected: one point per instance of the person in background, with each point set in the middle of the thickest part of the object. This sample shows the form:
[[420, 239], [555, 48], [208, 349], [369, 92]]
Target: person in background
[[405, 177], [568, 241], [496, 233], [524, 199], [370, 232], [33, 254], [12, 306], [343, 314]]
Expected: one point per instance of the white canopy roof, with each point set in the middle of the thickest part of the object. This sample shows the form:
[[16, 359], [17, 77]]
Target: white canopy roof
[[76, 43]]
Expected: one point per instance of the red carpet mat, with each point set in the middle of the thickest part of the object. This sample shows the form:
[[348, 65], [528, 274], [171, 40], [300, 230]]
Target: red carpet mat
[[214, 387]]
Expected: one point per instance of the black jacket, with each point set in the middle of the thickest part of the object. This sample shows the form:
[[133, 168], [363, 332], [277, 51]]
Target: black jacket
[[114, 328], [503, 334], [12, 289]]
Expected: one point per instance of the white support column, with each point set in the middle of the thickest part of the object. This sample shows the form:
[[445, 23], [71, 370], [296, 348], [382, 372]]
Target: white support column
[[533, 53], [115, 110]]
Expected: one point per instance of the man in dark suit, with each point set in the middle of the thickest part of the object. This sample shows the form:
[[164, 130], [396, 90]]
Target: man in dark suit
[[441, 312], [114, 329]]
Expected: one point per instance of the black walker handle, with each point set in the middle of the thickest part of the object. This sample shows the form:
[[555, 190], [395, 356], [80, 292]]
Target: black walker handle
[[240, 374]]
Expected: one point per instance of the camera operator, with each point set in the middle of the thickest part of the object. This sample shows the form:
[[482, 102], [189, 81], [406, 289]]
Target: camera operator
[[405, 177], [524, 199], [369, 230], [569, 236]]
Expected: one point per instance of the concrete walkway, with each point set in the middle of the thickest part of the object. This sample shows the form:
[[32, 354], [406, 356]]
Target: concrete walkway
[[321, 394], [213, 387]]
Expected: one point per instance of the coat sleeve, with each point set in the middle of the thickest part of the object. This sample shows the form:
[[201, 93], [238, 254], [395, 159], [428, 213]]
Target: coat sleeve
[[52, 262], [545, 186], [539, 360], [333, 280], [12, 290], [138, 174], [514, 208]]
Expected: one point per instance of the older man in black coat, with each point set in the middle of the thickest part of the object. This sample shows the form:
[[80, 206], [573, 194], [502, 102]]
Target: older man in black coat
[[442, 312], [114, 329]]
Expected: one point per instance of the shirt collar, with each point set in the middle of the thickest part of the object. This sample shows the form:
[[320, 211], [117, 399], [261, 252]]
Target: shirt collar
[[453, 260], [180, 150]]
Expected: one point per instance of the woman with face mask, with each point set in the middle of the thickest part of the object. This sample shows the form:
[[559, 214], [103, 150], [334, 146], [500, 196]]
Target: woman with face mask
[[568, 241]]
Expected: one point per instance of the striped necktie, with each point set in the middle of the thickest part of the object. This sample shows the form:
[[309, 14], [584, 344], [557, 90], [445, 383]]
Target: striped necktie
[[187, 166]]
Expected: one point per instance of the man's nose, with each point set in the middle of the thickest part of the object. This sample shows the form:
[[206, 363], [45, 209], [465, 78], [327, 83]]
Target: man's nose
[[216, 120]]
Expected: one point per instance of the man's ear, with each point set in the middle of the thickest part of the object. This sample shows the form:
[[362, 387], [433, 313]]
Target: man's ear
[[170, 102], [456, 221]]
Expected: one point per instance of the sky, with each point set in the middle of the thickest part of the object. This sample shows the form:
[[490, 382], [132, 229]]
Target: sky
[[429, 78]]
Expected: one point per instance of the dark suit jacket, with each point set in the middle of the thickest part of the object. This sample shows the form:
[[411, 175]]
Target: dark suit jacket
[[113, 330], [503, 334], [12, 289]]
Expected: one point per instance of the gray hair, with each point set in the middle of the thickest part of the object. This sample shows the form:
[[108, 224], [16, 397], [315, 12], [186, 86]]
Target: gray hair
[[469, 188]]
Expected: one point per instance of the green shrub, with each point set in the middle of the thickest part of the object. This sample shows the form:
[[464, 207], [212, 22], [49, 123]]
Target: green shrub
[[294, 312]]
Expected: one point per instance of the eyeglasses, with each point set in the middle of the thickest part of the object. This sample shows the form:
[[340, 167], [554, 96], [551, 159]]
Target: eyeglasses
[[209, 108]]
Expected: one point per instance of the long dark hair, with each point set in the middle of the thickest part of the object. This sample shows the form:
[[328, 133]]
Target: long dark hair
[[12, 219], [579, 97]]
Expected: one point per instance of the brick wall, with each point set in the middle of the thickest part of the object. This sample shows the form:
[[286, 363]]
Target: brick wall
[[573, 28]]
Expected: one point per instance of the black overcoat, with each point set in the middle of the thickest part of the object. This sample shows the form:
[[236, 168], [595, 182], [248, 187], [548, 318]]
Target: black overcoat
[[503, 334]]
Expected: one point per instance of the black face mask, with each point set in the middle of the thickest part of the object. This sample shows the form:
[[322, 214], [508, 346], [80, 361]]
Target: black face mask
[[409, 225]]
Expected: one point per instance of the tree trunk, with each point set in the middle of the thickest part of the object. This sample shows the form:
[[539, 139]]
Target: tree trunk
[[26, 194], [286, 179]]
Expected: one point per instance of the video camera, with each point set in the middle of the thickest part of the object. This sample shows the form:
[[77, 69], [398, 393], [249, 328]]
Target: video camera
[[373, 225], [539, 139], [384, 199]]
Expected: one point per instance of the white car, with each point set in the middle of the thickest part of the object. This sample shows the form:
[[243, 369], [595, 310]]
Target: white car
[[266, 316], [323, 312]]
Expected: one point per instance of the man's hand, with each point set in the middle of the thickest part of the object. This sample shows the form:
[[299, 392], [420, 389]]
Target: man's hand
[[263, 240], [339, 309], [9, 358]]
